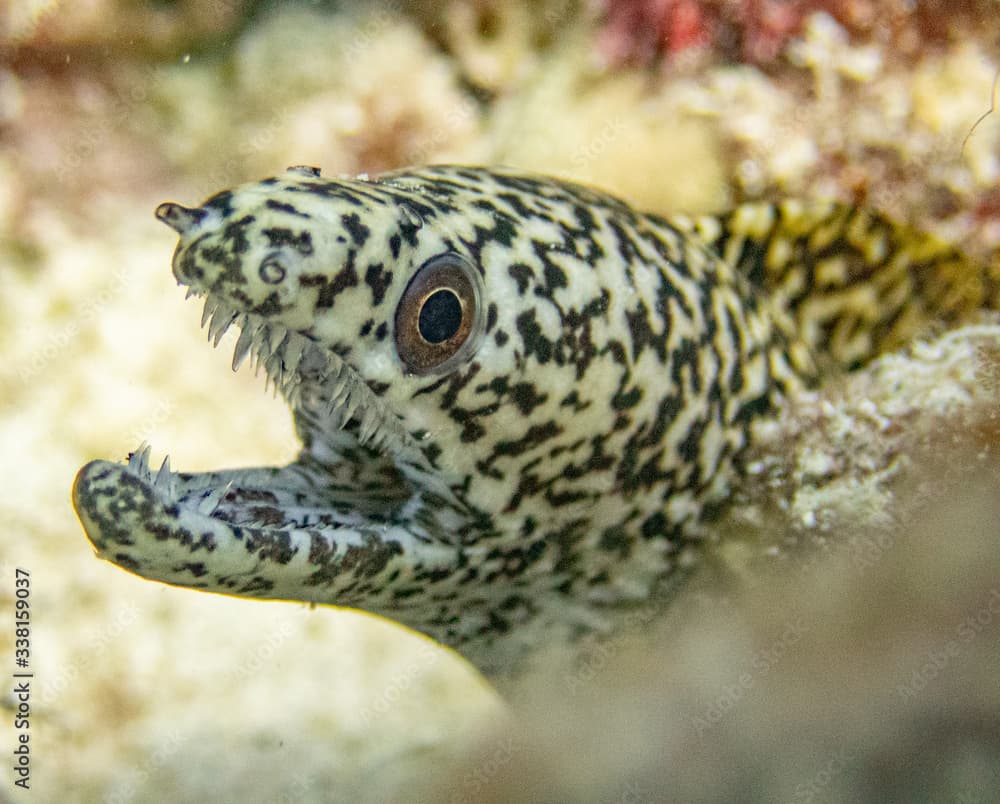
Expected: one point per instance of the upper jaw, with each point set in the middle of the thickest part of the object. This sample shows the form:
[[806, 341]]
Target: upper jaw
[[316, 383]]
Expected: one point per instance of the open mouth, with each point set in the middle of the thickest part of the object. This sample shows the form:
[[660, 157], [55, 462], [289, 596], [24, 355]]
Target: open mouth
[[283, 532]]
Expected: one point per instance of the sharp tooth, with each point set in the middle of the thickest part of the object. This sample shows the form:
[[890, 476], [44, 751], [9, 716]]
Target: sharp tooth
[[295, 346], [139, 462], [208, 505], [135, 458], [274, 369], [243, 342], [281, 339], [332, 404], [293, 393], [211, 305], [369, 426], [339, 395], [163, 475], [244, 346], [223, 317], [262, 343], [224, 328], [291, 382], [348, 409], [190, 292], [337, 375]]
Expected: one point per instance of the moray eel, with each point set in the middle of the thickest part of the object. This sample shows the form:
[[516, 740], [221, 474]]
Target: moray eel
[[519, 399]]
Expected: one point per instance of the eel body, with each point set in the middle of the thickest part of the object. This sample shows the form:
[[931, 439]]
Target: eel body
[[519, 399]]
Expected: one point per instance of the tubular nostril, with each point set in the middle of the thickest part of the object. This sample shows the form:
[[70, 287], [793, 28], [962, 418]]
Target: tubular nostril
[[179, 218]]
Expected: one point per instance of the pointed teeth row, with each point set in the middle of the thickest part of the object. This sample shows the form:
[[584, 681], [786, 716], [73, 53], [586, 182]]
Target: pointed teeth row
[[294, 349], [347, 399], [212, 305], [163, 475], [261, 344], [369, 427], [222, 318], [164, 480], [244, 342], [219, 316], [277, 350], [211, 500], [280, 352]]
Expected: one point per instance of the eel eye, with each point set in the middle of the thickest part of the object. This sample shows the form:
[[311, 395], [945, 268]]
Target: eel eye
[[439, 318], [271, 270]]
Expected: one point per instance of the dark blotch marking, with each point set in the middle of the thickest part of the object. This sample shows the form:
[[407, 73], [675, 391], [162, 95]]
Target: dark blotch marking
[[378, 280], [535, 343], [655, 526], [526, 398], [330, 288], [615, 540], [235, 233], [279, 237], [537, 434], [522, 274], [281, 206], [355, 228], [270, 545], [221, 201]]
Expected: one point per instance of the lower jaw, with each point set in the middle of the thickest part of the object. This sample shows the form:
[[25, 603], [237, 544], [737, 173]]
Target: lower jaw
[[200, 531]]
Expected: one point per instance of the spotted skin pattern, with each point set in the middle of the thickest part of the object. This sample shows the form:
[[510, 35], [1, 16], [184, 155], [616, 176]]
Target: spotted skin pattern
[[560, 466]]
